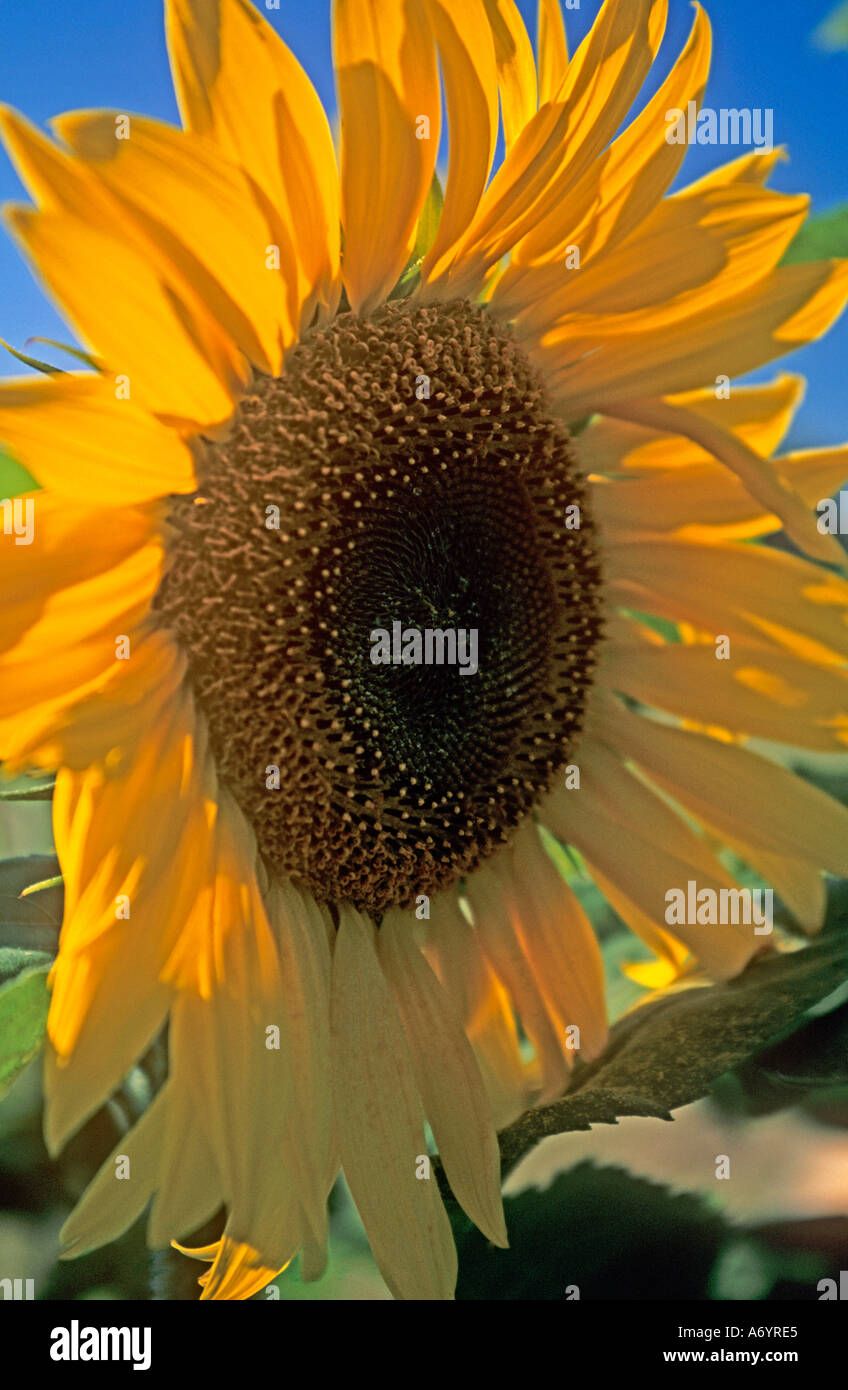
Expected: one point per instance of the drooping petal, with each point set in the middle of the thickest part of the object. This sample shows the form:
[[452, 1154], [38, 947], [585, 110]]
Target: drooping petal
[[760, 692], [705, 502], [759, 415], [735, 790], [305, 971], [770, 486], [114, 1199], [481, 1003], [226, 1052], [635, 841], [381, 1124], [448, 1078], [497, 903], [734, 590], [560, 944], [129, 840]]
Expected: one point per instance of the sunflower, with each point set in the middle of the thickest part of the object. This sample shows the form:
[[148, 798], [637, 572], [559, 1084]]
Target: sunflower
[[325, 402]]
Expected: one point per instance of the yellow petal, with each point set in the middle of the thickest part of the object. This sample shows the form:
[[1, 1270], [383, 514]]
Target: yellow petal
[[189, 1184], [760, 692], [124, 841], [497, 903], [381, 1124], [272, 124], [748, 168], [725, 510], [115, 1198], [671, 954], [102, 719], [800, 884], [552, 49], [627, 180], [239, 1270], [481, 1003], [564, 138], [70, 544], [130, 306], [197, 209], [448, 1078], [560, 944], [75, 434], [594, 368], [759, 415], [735, 590], [633, 840], [469, 70], [74, 648], [516, 68], [736, 790], [714, 245], [388, 81], [305, 968], [759, 477], [222, 1054]]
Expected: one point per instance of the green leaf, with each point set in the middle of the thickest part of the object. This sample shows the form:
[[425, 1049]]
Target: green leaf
[[832, 33], [14, 479], [820, 238], [428, 222], [603, 1230], [24, 1002], [78, 353], [14, 960], [27, 789], [428, 225], [39, 366], [668, 1054], [808, 1069]]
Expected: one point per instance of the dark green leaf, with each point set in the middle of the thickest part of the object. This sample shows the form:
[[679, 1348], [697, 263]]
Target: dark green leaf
[[602, 1230], [668, 1053], [24, 1002], [27, 789]]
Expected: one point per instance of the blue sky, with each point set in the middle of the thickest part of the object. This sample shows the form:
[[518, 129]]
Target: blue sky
[[91, 53]]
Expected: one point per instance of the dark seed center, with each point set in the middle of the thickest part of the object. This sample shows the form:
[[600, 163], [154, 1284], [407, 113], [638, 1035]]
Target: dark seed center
[[404, 477]]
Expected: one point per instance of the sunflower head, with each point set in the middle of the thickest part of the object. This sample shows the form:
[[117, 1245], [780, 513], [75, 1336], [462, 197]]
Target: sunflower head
[[328, 406], [405, 470]]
